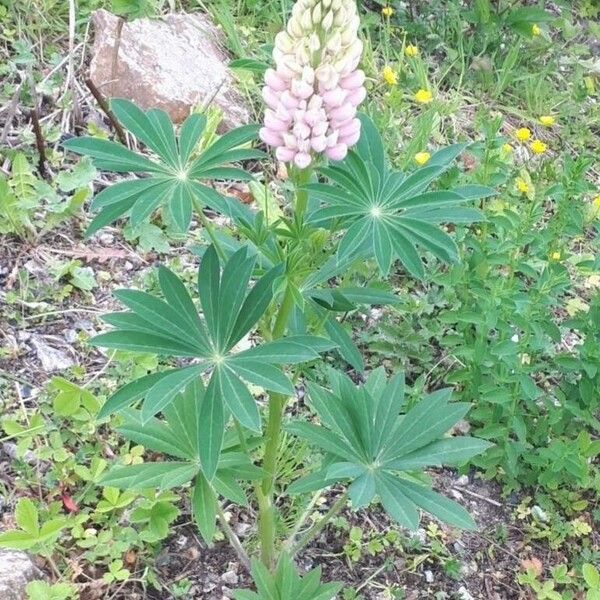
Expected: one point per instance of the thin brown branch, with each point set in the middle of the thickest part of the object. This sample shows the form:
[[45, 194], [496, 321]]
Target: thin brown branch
[[101, 100], [39, 141]]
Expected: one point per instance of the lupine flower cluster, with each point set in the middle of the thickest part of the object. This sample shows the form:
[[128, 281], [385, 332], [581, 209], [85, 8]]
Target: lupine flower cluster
[[313, 93]]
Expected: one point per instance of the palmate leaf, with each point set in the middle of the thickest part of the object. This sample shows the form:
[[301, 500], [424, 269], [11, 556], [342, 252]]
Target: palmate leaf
[[370, 446], [181, 434], [171, 177], [285, 583], [388, 214], [173, 327]]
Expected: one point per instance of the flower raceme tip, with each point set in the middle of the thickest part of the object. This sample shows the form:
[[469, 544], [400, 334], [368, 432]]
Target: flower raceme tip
[[314, 91]]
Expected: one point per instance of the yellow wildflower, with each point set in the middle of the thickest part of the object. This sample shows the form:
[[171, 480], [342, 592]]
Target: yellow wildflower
[[423, 96], [547, 120], [535, 30], [411, 51], [422, 158], [387, 11], [555, 256], [523, 134], [507, 149], [597, 201], [522, 185], [389, 75], [538, 147]]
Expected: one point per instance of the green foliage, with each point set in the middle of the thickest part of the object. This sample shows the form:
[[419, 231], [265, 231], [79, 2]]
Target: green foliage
[[387, 214], [40, 590], [31, 534], [372, 448], [172, 177], [30, 206], [181, 435], [285, 583], [173, 327]]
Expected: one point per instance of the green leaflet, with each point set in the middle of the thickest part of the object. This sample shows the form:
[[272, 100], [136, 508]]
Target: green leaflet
[[172, 175], [387, 214], [286, 584], [368, 444]]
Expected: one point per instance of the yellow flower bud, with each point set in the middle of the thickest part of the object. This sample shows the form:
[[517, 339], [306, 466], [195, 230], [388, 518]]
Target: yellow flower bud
[[422, 158], [423, 96], [522, 185], [535, 30], [389, 75], [411, 51], [387, 11], [523, 134], [547, 120], [538, 147]]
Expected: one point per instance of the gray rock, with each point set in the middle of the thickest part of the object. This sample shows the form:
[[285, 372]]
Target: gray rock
[[464, 594], [52, 359], [428, 576], [230, 578], [16, 571], [175, 63]]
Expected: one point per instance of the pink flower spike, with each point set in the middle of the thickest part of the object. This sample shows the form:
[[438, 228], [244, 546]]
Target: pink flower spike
[[350, 128], [318, 143], [302, 160], [275, 81], [351, 138], [288, 100], [342, 113], [285, 154], [270, 97], [270, 137], [337, 152], [353, 80], [301, 130], [357, 96], [334, 97], [272, 122]]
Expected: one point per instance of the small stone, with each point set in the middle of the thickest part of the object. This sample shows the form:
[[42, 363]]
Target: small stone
[[107, 239], [52, 359], [16, 571], [463, 480], [456, 494], [70, 336], [428, 576], [464, 594], [459, 547], [181, 541], [468, 569], [230, 578], [419, 535], [10, 449]]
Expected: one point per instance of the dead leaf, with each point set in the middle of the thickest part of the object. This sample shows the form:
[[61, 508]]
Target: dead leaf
[[534, 564]]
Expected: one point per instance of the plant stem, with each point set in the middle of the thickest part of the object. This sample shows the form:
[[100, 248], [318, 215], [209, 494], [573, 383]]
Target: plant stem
[[266, 525], [301, 178], [313, 531], [233, 538]]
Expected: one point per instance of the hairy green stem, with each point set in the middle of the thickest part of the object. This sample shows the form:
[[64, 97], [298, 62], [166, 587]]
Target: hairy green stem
[[266, 525], [313, 531], [264, 492]]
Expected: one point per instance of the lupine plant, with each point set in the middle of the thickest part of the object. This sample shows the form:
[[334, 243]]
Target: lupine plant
[[263, 322]]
